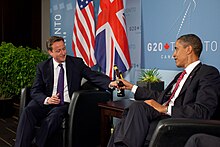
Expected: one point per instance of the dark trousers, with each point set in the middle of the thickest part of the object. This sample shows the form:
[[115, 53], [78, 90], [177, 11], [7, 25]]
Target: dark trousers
[[203, 140], [50, 119], [136, 126]]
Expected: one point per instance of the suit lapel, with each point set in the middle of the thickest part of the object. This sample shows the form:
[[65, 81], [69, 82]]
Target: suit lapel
[[50, 75], [170, 86], [68, 72], [189, 79], [167, 92]]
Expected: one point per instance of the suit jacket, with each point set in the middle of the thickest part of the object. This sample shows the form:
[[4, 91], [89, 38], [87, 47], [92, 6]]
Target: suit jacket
[[75, 70], [198, 97]]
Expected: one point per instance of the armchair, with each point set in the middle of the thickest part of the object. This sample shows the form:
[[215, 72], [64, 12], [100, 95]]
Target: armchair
[[175, 132], [82, 126]]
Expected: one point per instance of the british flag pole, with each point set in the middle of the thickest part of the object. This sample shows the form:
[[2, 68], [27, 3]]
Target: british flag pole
[[111, 46]]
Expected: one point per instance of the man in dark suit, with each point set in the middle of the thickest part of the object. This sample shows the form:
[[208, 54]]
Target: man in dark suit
[[203, 140], [46, 105], [196, 97]]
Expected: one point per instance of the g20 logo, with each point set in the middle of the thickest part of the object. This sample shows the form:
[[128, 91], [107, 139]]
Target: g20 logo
[[158, 47], [208, 46]]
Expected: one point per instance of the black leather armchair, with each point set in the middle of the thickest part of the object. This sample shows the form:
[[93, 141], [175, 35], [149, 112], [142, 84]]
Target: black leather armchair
[[82, 126], [175, 132]]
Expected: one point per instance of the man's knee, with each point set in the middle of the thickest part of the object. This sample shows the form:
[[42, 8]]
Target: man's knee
[[137, 105], [195, 140], [198, 137]]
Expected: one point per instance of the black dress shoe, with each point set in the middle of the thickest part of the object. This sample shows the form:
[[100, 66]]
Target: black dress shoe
[[120, 144], [34, 145]]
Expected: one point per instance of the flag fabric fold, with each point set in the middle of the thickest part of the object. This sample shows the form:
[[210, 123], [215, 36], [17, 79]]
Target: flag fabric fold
[[83, 40], [111, 45]]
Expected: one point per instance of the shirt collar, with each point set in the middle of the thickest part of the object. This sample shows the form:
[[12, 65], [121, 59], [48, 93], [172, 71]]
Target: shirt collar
[[191, 66], [55, 63]]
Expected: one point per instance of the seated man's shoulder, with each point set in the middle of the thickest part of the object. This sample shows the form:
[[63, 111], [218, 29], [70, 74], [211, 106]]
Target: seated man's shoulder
[[45, 62], [208, 68], [76, 59]]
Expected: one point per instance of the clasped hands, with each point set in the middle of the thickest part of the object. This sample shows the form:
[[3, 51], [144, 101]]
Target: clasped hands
[[54, 100]]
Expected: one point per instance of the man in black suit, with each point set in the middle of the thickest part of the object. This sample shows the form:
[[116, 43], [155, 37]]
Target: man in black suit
[[45, 105], [196, 97], [203, 140]]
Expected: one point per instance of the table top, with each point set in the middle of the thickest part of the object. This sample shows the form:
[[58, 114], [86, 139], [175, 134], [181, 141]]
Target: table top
[[119, 104]]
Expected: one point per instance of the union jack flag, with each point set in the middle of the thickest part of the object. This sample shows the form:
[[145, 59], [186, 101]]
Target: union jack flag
[[83, 40], [111, 39]]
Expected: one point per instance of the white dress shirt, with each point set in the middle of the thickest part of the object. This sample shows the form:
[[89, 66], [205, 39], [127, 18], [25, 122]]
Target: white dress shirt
[[56, 74]]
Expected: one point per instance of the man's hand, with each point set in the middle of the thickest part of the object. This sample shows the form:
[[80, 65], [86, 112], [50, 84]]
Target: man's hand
[[160, 108], [54, 99], [127, 85], [113, 84]]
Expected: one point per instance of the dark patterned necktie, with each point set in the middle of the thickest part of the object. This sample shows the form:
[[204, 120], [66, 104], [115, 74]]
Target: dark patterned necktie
[[60, 85], [176, 87]]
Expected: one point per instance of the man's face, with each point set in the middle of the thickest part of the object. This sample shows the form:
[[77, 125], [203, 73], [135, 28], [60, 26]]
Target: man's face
[[59, 51], [180, 55]]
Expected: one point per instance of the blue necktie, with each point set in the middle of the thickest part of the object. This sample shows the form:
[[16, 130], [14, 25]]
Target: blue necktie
[[60, 85]]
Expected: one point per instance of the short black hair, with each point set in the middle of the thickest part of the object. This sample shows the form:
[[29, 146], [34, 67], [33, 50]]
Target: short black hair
[[192, 40], [51, 40]]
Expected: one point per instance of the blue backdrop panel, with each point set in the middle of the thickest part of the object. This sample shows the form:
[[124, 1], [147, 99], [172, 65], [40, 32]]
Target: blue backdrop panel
[[133, 21], [61, 20], [164, 21]]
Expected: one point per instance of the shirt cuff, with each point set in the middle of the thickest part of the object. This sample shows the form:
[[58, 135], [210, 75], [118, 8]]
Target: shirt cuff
[[169, 108], [134, 88], [45, 101], [110, 87]]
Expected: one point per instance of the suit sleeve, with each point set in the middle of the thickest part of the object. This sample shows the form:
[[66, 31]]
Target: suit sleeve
[[39, 87], [144, 94], [99, 79]]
